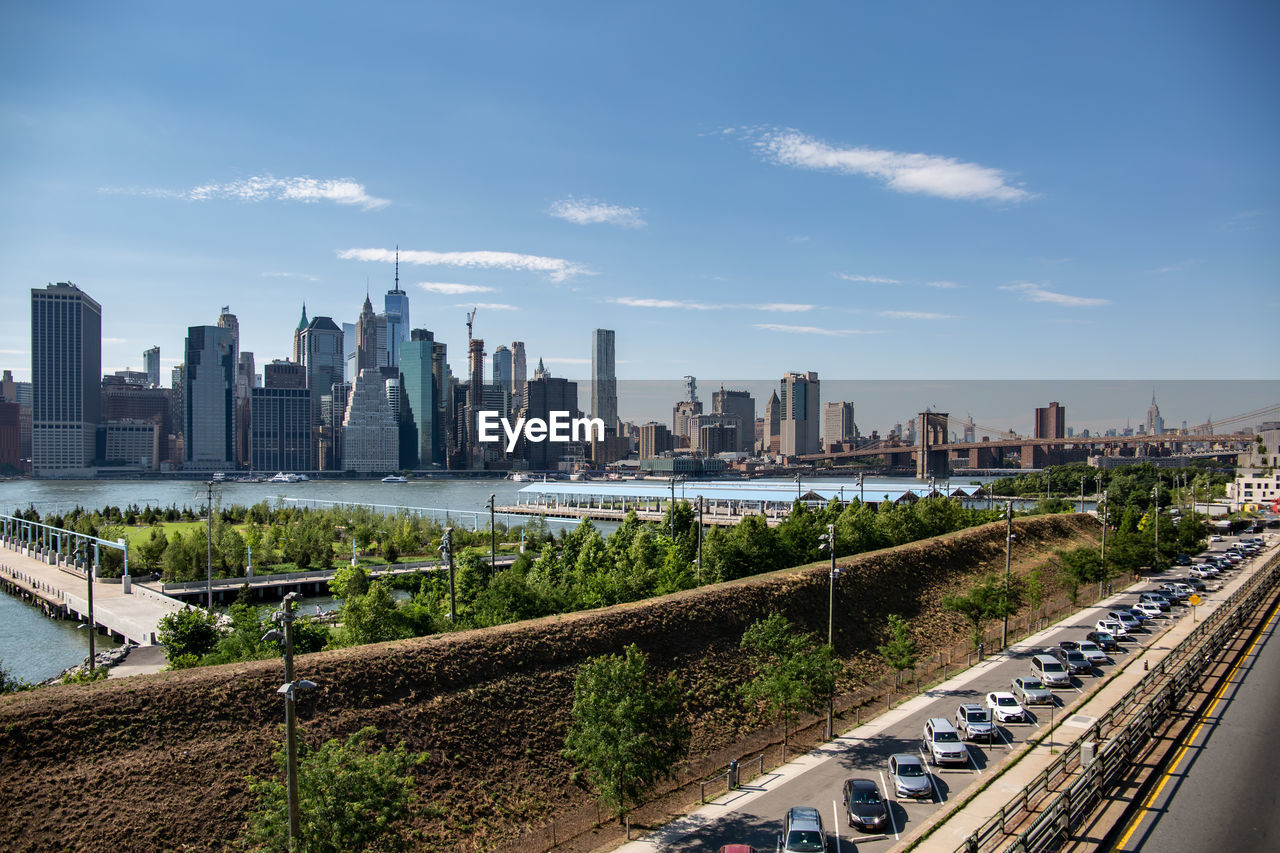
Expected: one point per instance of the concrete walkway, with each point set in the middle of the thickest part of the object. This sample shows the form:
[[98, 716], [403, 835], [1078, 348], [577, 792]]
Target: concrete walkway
[[131, 617], [141, 661]]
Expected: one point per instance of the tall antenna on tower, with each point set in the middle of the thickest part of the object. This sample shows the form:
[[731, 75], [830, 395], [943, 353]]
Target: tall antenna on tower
[[471, 316], [397, 266]]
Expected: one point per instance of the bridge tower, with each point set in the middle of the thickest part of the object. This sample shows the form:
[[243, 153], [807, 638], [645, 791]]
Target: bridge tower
[[932, 429]]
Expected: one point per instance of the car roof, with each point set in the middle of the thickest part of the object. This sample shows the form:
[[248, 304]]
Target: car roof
[[971, 706], [1001, 693], [861, 784], [904, 758], [940, 723], [1044, 658]]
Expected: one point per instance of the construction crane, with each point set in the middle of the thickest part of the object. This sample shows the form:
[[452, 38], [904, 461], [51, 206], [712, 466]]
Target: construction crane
[[471, 317]]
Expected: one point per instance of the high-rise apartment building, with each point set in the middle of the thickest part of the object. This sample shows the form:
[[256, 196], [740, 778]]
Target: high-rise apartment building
[[1051, 422], [502, 368], [210, 398], [320, 345], [178, 406], [370, 433], [837, 424], [655, 439], [151, 364], [283, 374], [798, 396], [66, 379], [604, 379], [420, 403], [547, 395], [743, 405], [682, 415], [519, 373]]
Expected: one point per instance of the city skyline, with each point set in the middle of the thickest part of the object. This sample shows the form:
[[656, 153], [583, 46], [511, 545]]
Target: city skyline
[[1048, 194]]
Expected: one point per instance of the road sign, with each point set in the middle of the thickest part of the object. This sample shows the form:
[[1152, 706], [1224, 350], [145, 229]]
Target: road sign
[[1195, 599]]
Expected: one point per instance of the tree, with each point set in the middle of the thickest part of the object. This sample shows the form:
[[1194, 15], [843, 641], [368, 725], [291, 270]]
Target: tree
[[10, 683], [793, 671], [626, 728], [900, 652], [189, 631], [349, 581], [984, 601], [372, 617], [1079, 567], [349, 798]]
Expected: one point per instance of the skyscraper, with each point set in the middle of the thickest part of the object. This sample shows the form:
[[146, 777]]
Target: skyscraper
[[772, 439], [1051, 422], [349, 369], [519, 374], [1155, 423], [800, 411], [502, 368], [210, 398], [370, 434], [547, 395], [604, 380], [837, 424], [742, 404], [397, 311], [420, 402], [322, 359], [475, 398], [280, 434], [366, 338], [66, 378], [151, 363], [297, 336]]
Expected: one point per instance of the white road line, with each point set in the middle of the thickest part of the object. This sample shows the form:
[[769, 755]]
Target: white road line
[[892, 822], [933, 785], [835, 814], [1007, 743]]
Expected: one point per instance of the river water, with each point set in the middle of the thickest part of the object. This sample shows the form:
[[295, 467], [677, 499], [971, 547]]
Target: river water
[[34, 647]]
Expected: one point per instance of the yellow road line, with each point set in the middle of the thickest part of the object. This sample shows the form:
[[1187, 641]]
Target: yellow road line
[[1136, 820]]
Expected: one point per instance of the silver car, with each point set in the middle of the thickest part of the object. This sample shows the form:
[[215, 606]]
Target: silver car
[[909, 777], [1031, 691], [974, 722]]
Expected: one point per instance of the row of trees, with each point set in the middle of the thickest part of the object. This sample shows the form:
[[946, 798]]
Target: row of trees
[[1130, 485]]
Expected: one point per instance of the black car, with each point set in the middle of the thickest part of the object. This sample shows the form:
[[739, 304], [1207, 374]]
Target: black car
[[1183, 559], [1073, 659], [863, 805], [1105, 641]]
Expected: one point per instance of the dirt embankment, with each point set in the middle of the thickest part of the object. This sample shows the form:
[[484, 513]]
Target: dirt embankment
[[160, 762]]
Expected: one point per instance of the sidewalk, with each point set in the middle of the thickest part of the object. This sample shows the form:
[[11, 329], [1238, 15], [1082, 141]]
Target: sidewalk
[[1005, 783], [132, 617]]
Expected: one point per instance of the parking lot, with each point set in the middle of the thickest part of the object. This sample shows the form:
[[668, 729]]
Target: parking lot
[[753, 814]]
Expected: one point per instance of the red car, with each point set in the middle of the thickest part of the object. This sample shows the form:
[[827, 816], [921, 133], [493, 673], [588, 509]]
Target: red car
[[737, 848]]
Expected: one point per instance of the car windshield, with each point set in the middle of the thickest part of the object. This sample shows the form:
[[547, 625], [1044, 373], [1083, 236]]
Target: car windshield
[[910, 770], [1006, 701], [866, 798], [1053, 666], [946, 737], [804, 841], [976, 716], [1088, 647], [1074, 655], [1032, 684]]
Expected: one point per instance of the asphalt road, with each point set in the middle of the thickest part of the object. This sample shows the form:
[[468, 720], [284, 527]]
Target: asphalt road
[[1222, 791], [757, 820]]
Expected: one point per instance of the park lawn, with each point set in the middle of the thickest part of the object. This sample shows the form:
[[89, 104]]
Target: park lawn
[[169, 527]]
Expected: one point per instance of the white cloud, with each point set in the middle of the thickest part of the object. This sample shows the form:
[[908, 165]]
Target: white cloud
[[488, 306], [928, 174], [814, 330], [115, 340], [914, 315], [869, 279], [453, 289], [1036, 293], [590, 211], [14, 352], [557, 269], [782, 307], [942, 285], [267, 187], [301, 275]]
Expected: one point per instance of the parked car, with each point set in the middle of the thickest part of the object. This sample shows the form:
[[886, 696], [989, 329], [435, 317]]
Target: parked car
[[1178, 591], [1112, 627], [1125, 618], [1105, 641], [1005, 707], [1215, 538], [1182, 559], [802, 831], [1075, 662], [974, 722], [1031, 691], [737, 848], [1154, 598], [1051, 671], [942, 742], [909, 777], [1093, 653], [1150, 609], [863, 805]]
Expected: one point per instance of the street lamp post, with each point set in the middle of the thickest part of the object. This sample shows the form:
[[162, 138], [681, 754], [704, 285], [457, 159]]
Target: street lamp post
[[1155, 493], [1082, 495], [1008, 549], [672, 510], [290, 690], [446, 548], [861, 496], [493, 541], [797, 485], [699, 538], [83, 553], [209, 546], [828, 541]]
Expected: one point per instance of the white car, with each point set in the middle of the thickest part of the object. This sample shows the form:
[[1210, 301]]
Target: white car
[[1215, 538], [1112, 627], [1005, 707], [1150, 609]]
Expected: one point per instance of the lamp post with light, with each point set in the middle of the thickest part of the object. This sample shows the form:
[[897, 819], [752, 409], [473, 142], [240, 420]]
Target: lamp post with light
[[827, 542], [289, 691]]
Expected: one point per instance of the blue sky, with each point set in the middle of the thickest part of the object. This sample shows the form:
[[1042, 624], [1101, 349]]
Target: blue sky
[[870, 190]]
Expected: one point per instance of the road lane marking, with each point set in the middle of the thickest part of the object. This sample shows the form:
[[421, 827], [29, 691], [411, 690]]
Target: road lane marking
[[892, 820], [1228, 681], [1007, 743], [835, 815]]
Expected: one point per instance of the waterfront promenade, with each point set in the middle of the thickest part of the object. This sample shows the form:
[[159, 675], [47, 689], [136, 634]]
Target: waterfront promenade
[[63, 592]]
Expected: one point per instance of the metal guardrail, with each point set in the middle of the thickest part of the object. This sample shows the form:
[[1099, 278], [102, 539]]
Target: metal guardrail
[[732, 775], [1122, 732]]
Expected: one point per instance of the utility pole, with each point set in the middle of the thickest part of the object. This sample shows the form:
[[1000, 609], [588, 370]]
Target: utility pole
[[83, 551], [1103, 558], [1008, 550], [828, 541], [290, 690], [209, 549], [1082, 495], [673, 510], [1156, 494]]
